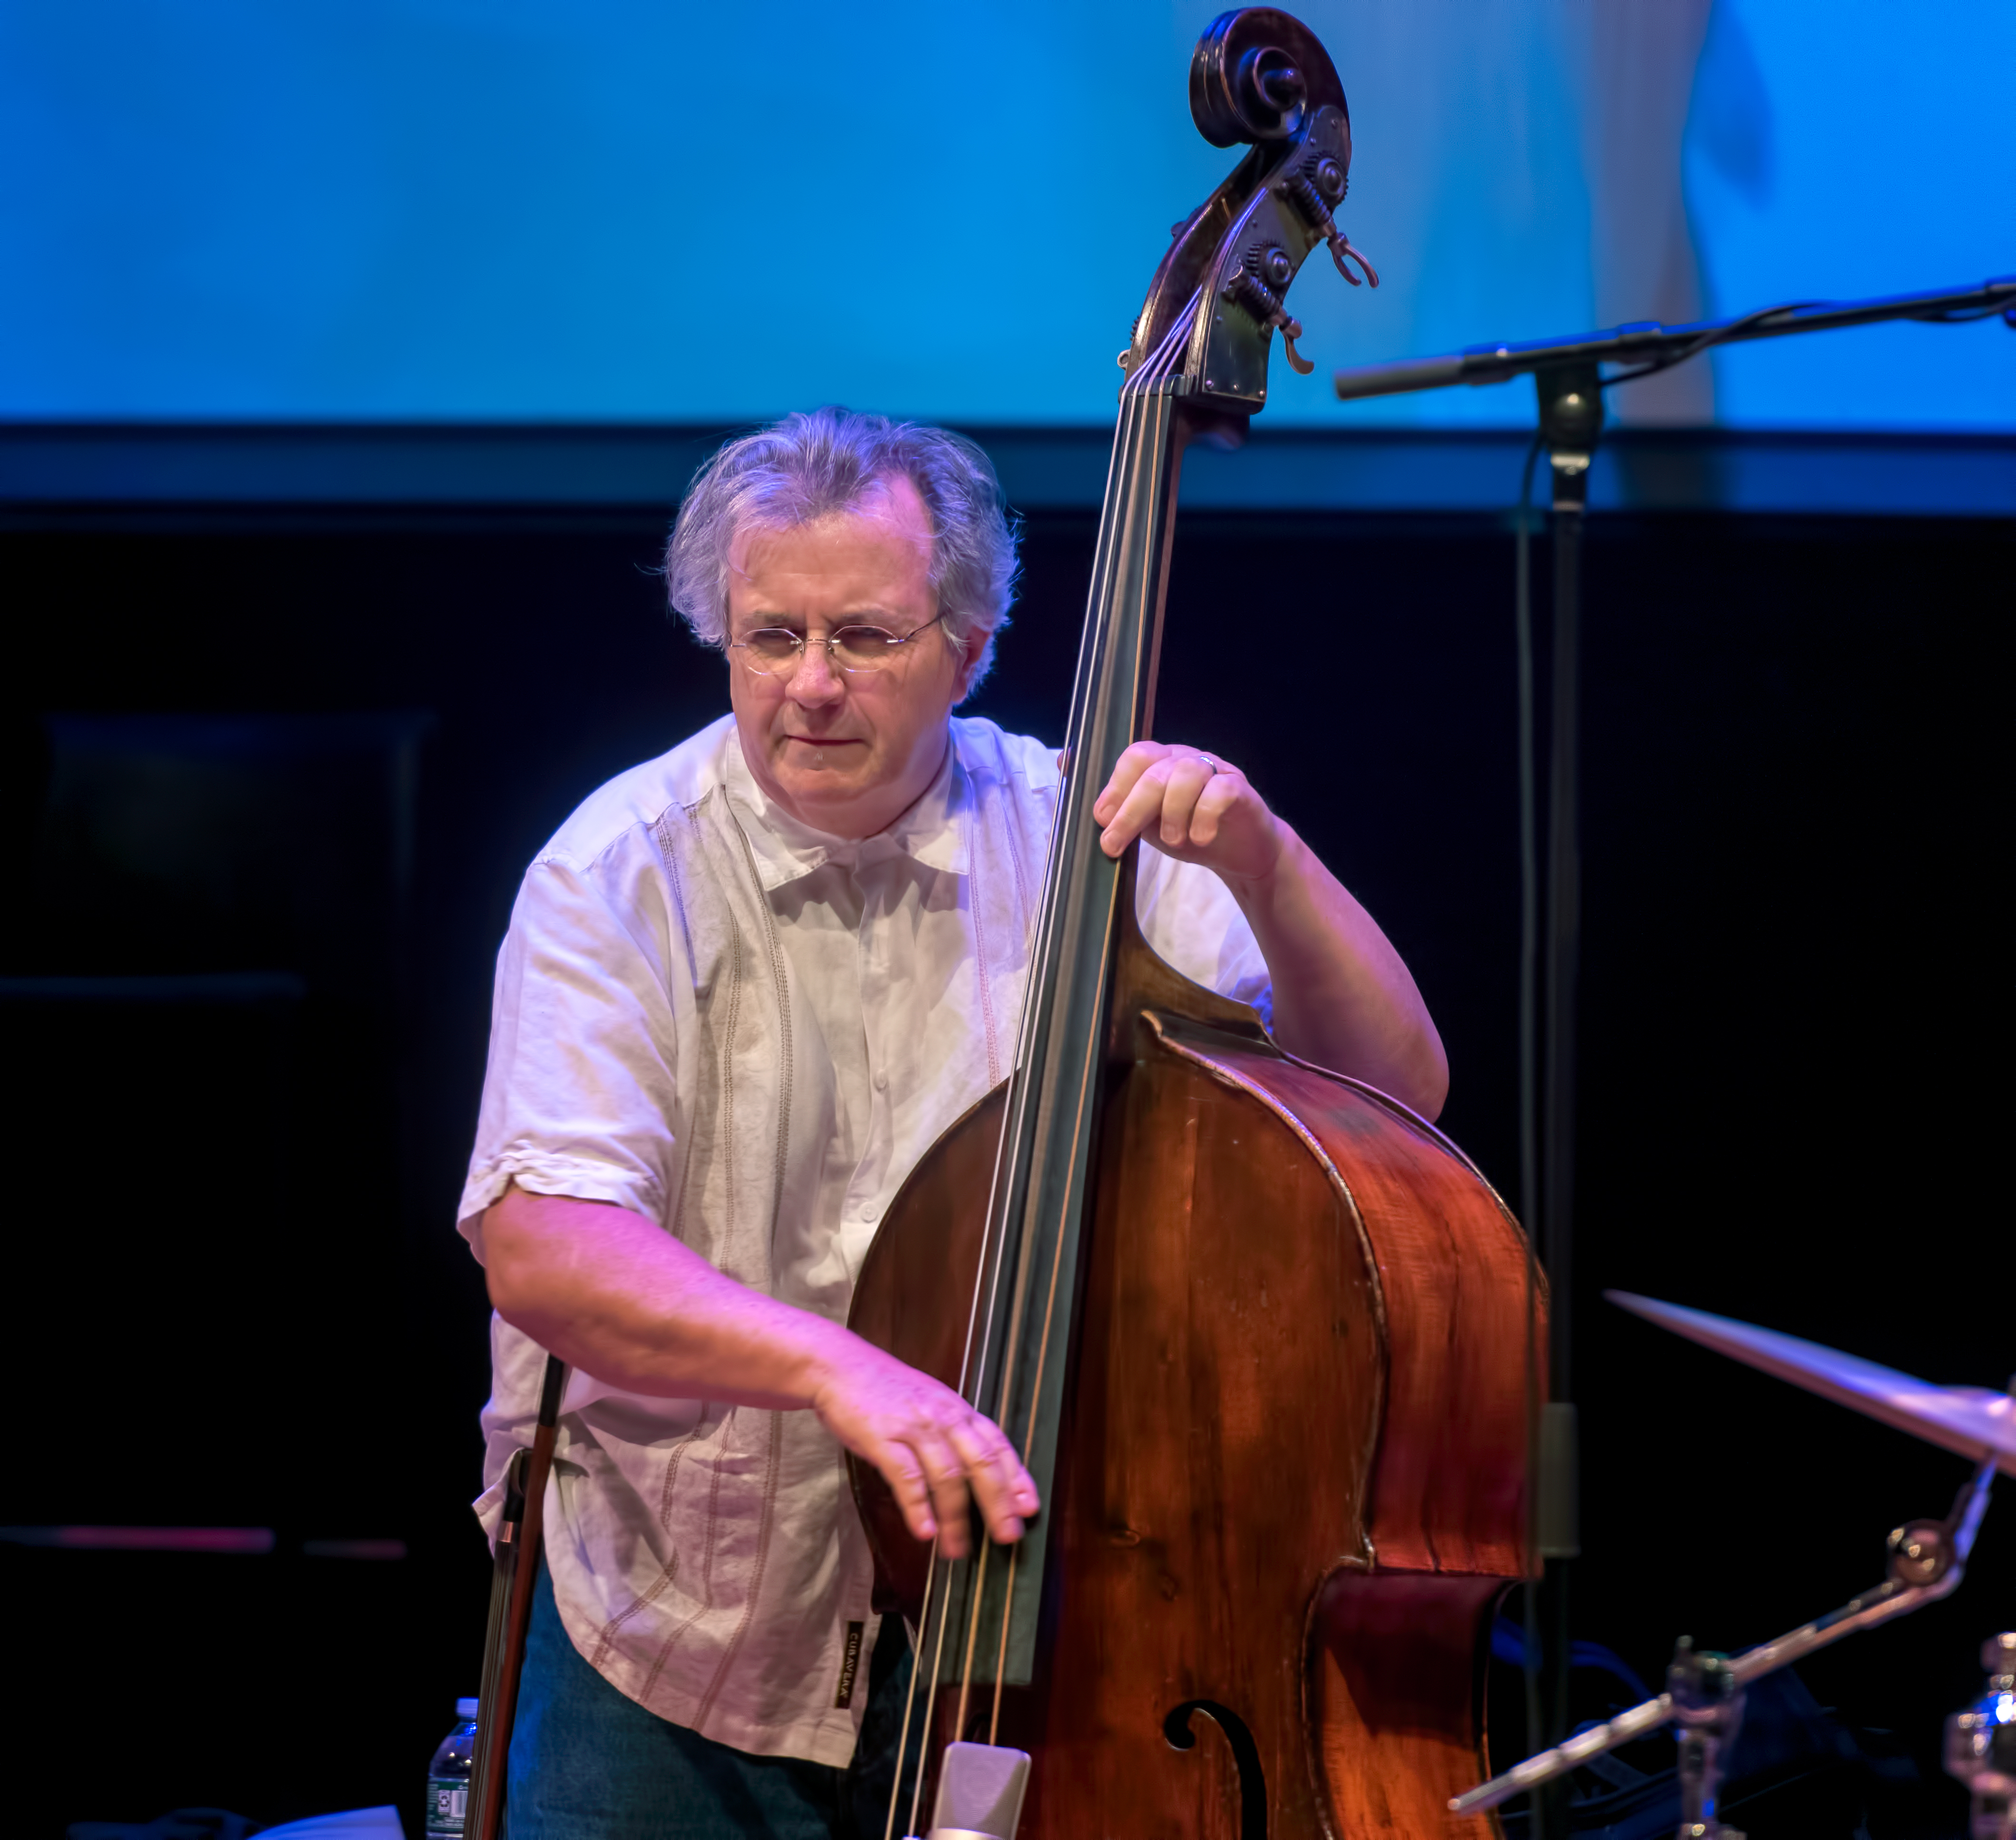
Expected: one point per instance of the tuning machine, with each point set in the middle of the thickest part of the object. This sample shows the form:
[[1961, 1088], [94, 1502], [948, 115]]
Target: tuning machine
[[1314, 191]]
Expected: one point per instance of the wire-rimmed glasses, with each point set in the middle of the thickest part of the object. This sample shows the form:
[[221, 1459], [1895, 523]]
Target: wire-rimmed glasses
[[858, 648]]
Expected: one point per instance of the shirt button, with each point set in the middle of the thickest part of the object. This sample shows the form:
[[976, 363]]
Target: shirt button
[[881, 1082], [870, 1212]]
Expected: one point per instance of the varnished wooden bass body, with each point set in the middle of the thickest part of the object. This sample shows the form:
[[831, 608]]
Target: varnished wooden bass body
[[1294, 1488]]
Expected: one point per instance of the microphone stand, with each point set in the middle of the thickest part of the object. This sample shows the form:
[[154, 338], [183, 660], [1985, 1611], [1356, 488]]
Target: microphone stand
[[1569, 381]]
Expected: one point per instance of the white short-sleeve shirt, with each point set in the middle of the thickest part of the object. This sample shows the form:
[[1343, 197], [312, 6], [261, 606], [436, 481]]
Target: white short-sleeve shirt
[[690, 974]]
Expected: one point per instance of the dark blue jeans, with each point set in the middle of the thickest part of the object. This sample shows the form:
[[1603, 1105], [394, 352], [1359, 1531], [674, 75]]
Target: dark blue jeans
[[587, 1763]]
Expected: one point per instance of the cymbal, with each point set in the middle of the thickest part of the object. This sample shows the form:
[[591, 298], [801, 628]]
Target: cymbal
[[1971, 1420]]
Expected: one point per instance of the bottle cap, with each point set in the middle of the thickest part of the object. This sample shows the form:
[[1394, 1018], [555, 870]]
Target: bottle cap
[[464, 1708]]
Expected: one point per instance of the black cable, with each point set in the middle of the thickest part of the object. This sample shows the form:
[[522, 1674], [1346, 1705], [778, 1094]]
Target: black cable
[[1529, 1142], [1721, 334], [1964, 315], [1529, 862]]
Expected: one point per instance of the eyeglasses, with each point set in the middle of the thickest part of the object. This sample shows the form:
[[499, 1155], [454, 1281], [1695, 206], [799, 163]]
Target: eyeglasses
[[775, 651]]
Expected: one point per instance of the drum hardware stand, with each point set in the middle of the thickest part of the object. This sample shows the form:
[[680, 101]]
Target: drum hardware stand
[[1980, 1744], [1704, 1694]]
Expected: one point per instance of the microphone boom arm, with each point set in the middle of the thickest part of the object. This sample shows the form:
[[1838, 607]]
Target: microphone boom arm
[[1651, 347]]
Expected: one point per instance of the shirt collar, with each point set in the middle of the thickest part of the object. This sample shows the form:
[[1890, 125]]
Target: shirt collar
[[932, 832]]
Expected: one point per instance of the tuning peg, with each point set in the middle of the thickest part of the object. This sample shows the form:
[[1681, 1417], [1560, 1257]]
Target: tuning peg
[[1245, 286], [1311, 193], [1341, 245]]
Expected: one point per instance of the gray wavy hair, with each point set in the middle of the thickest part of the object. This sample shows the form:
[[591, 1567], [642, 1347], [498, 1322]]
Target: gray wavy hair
[[809, 466]]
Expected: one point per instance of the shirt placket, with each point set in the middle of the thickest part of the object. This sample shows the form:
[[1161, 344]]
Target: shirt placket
[[865, 1198]]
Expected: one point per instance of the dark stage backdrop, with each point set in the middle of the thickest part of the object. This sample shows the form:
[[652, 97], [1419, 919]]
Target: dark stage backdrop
[[235, 1295]]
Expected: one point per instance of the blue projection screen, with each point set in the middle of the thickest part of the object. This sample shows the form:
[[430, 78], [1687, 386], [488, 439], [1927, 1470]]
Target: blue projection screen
[[492, 209]]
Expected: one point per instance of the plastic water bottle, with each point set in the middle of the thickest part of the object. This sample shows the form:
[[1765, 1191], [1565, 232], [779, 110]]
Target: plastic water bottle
[[448, 1776]]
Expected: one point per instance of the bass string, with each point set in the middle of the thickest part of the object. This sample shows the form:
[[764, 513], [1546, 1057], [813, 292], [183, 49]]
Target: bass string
[[1092, 1073], [1001, 1659], [934, 1613], [932, 1627], [1141, 402], [909, 1707], [1127, 446], [981, 1317], [1163, 360], [932, 1622], [1128, 443], [1148, 438], [931, 1686], [976, 1590]]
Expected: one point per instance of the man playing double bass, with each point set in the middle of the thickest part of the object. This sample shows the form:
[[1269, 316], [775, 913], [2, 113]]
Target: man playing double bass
[[744, 990]]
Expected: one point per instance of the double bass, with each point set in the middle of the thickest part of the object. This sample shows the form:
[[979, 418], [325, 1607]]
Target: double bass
[[1261, 1335]]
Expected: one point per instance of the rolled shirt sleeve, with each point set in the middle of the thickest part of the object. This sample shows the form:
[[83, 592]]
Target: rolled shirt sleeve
[[579, 1096]]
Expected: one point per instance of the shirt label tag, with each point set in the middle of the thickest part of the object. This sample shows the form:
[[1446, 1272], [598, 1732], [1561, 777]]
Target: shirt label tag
[[850, 1664]]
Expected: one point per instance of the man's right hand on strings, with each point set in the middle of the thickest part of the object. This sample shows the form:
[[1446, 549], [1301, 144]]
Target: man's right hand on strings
[[615, 1295]]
